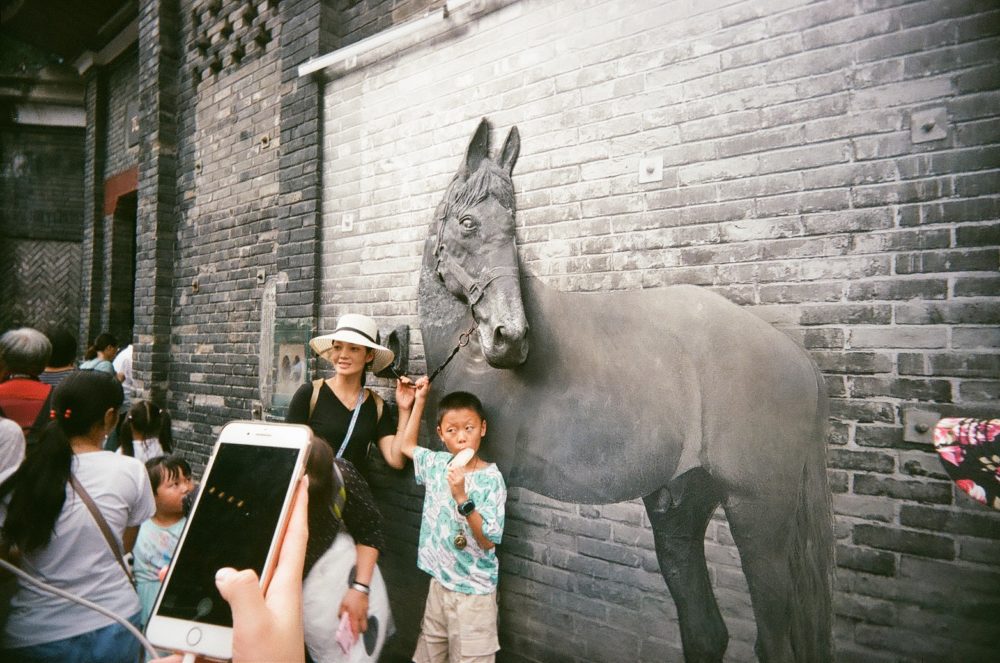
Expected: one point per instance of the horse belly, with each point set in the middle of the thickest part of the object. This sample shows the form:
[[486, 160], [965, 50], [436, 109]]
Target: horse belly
[[594, 451]]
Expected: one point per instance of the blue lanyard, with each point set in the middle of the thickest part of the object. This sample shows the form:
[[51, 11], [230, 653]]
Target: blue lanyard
[[354, 420]]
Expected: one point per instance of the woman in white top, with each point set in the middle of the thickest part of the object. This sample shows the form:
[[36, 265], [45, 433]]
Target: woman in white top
[[145, 432], [51, 534]]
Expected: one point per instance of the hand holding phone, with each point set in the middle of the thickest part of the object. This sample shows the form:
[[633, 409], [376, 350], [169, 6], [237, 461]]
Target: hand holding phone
[[238, 521], [269, 626]]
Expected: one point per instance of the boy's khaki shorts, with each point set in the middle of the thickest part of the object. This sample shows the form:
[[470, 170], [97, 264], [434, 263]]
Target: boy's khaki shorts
[[457, 628]]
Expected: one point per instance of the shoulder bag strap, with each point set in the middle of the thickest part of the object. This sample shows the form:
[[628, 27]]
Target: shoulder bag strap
[[354, 420], [102, 524]]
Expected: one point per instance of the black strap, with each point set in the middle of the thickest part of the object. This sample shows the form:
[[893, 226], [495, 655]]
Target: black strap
[[357, 331]]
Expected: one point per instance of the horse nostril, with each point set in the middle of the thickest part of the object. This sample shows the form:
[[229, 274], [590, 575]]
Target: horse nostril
[[498, 335]]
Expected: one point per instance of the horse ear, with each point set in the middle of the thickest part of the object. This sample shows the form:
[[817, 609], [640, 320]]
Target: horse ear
[[478, 149], [511, 148]]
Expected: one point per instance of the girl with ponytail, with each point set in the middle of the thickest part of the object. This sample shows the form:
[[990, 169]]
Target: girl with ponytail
[[49, 531], [145, 433]]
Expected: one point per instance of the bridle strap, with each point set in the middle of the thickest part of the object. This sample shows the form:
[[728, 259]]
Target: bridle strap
[[474, 289]]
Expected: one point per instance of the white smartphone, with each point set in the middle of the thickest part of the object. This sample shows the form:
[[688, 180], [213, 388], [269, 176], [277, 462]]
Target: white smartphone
[[238, 519]]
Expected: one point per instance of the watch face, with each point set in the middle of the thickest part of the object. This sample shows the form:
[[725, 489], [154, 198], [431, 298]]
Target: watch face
[[466, 508]]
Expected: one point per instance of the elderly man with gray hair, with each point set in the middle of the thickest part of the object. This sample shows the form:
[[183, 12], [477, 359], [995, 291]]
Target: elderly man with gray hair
[[24, 353]]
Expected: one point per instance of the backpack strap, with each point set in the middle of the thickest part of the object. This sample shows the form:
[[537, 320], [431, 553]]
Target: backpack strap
[[317, 385], [379, 406]]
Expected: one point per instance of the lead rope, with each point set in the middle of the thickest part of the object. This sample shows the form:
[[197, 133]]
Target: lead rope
[[463, 340]]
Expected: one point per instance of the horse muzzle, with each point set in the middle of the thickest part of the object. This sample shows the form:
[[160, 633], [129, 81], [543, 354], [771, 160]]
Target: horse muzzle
[[507, 346], [503, 328]]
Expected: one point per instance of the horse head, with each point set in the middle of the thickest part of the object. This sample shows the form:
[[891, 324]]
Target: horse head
[[473, 250]]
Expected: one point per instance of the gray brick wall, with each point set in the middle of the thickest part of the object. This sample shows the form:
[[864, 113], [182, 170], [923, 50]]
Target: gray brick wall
[[228, 144], [791, 185], [123, 88]]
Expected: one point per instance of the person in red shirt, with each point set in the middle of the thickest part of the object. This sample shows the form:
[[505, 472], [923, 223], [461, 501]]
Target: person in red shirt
[[24, 353]]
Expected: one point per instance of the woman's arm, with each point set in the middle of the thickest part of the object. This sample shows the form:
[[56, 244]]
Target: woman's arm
[[413, 397], [364, 522], [356, 601], [298, 408]]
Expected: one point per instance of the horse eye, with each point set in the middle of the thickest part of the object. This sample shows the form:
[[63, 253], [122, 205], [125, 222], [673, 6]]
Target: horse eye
[[468, 223]]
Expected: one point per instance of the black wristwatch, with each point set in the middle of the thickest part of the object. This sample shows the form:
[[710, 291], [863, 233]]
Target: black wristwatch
[[466, 507]]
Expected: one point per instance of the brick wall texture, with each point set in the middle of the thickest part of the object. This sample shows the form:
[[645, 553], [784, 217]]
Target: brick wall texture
[[796, 182], [204, 315], [41, 216]]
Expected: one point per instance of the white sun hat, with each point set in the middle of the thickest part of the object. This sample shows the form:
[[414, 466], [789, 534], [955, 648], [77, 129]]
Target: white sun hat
[[359, 330]]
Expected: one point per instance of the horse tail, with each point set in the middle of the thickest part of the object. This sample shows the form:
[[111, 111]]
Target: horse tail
[[811, 559]]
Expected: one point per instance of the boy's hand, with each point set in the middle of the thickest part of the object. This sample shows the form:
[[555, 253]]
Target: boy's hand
[[422, 388], [408, 391], [456, 481]]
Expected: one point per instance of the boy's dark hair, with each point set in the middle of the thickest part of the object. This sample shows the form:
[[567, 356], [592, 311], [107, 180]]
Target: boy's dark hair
[[163, 468], [460, 400]]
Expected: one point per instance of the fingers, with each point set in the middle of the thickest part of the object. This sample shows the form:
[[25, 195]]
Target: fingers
[[356, 607], [285, 589], [241, 589]]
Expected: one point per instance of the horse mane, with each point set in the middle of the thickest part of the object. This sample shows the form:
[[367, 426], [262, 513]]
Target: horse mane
[[488, 180]]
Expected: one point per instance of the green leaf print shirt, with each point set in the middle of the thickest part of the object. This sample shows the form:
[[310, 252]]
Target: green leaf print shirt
[[471, 570]]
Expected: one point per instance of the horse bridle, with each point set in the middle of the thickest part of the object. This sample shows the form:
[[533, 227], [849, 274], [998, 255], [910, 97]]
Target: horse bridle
[[474, 289]]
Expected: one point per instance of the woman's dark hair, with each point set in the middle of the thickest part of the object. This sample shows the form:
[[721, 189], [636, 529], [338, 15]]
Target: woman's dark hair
[[37, 489], [101, 342], [164, 468], [63, 348], [149, 420]]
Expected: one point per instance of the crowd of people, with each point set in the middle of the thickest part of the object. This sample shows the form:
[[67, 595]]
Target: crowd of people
[[90, 478]]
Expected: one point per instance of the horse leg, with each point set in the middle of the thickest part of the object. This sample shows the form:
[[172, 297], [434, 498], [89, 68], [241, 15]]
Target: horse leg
[[679, 513], [762, 530]]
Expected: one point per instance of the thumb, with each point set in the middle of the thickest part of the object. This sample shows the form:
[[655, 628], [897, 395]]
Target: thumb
[[241, 589]]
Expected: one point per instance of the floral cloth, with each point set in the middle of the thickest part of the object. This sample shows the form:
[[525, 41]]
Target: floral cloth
[[469, 570], [970, 453]]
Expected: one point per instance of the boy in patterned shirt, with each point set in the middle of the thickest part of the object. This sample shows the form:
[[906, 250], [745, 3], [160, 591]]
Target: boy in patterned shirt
[[461, 524]]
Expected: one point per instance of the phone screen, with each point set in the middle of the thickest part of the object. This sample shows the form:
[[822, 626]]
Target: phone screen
[[233, 525]]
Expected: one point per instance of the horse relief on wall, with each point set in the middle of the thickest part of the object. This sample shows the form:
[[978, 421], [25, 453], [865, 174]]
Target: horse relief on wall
[[674, 395]]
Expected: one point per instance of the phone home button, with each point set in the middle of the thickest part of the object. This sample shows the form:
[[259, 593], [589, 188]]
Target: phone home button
[[194, 636]]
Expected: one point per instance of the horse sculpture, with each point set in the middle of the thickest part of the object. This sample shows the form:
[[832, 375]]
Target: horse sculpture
[[673, 394]]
